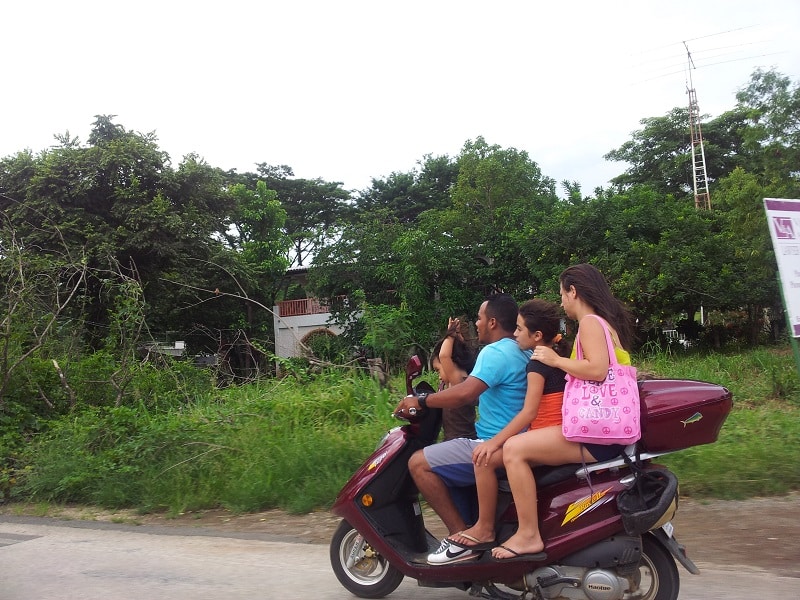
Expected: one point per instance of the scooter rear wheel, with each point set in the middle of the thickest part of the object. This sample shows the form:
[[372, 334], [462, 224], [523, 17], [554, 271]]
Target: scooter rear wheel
[[658, 574], [358, 567]]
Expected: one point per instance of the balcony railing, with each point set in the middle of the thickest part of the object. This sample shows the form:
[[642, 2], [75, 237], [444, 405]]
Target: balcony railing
[[304, 306]]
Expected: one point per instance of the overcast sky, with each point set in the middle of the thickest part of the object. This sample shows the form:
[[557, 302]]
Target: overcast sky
[[349, 90]]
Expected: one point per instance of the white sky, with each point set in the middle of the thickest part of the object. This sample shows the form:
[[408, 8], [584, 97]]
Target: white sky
[[348, 90]]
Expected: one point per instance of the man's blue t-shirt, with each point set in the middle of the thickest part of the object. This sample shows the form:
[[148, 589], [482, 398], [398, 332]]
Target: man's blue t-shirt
[[501, 366]]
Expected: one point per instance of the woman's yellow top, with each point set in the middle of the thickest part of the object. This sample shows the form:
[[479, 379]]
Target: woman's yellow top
[[622, 355]]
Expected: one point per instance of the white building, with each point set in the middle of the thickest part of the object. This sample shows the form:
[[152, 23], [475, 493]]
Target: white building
[[295, 320]]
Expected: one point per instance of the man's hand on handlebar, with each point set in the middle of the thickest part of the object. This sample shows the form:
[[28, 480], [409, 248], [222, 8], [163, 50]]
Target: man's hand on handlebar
[[408, 407]]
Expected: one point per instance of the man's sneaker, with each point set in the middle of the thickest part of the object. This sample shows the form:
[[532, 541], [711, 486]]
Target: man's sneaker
[[450, 552]]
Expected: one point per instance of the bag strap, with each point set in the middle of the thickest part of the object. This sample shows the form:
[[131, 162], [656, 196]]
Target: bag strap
[[612, 355], [636, 468], [636, 464], [640, 473]]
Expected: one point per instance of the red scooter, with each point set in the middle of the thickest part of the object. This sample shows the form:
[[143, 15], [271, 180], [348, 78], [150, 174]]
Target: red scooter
[[594, 550]]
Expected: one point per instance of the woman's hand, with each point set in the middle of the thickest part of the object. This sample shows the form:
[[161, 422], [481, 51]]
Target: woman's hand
[[545, 355]]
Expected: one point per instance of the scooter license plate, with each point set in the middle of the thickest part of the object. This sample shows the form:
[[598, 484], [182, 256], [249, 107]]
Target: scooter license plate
[[668, 528]]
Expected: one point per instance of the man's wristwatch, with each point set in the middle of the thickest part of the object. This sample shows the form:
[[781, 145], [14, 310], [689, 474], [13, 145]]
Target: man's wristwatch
[[422, 399]]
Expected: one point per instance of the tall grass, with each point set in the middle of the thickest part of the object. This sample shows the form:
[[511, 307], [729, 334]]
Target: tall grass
[[756, 455], [292, 444], [754, 376], [758, 449], [276, 444]]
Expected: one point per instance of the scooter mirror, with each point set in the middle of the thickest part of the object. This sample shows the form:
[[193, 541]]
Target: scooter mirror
[[413, 370]]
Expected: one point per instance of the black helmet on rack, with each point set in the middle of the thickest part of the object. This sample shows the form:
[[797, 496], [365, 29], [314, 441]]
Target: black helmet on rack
[[650, 502]]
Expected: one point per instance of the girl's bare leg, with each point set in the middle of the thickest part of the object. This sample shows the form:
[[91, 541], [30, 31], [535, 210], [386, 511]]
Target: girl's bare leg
[[486, 482], [545, 446], [527, 539]]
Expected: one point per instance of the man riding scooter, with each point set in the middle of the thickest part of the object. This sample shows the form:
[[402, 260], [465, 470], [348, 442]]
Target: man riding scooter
[[499, 379]]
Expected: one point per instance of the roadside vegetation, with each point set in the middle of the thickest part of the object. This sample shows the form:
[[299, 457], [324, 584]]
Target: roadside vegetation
[[111, 254], [282, 443], [760, 440], [292, 443]]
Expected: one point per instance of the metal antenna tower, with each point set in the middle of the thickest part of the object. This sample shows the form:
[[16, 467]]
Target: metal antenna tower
[[702, 199]]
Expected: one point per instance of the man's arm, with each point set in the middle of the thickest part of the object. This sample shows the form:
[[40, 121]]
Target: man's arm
[[457, 395]]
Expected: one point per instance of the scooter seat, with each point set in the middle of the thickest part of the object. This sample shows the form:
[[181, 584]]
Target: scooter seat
[[549, 475], [544, 475]]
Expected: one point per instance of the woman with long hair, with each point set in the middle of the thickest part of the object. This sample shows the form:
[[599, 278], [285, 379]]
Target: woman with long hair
[[584, 292], [453, 359]]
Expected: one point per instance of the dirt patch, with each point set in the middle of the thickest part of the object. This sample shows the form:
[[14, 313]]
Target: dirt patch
[[759, 532], [762, 533], [312, 528]]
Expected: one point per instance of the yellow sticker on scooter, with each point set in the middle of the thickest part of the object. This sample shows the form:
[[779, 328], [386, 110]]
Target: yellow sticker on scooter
[[378, 460], [585, 505]]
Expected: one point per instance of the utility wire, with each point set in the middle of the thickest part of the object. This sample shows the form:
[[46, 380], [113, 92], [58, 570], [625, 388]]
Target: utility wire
[[648, 50], [702, 66], [673, 60], [702, 37]]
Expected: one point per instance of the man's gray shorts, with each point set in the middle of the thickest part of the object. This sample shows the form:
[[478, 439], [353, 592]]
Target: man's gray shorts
[[452, 461]]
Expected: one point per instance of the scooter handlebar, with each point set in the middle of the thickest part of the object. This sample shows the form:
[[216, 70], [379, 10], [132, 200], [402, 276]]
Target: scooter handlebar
[[412, 412]]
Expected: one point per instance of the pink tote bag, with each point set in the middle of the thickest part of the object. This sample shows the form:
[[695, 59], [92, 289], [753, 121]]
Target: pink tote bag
[[602, 412]]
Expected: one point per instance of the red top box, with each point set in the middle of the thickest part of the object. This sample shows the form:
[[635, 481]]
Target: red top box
[[678, 413]]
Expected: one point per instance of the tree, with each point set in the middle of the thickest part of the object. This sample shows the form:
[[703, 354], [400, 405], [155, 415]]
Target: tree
[[313, 208], [492, 183], [118, 203], [771, 103], [671, 262], [37, 291], [257, 236], [392, 273], [760, 134], [441, 261], [660, 154], [408, 195], [498, 202], [257, 231], [721, 260], [754, 285]]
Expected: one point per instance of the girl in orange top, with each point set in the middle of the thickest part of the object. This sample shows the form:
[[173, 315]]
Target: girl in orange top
[[538, 324]]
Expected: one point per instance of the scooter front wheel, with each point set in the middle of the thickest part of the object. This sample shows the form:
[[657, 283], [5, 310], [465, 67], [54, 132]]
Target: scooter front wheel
[[358, 567]]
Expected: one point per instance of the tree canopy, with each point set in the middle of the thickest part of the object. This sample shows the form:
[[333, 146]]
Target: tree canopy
[[206, 246]]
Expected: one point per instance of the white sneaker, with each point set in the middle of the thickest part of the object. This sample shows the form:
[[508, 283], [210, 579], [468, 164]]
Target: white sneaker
[[450, 552]]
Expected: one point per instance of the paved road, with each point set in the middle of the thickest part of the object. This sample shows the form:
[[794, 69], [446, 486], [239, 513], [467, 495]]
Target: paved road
[[44, 559]]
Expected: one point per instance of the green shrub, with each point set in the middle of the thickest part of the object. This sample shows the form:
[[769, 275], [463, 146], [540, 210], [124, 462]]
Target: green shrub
[[91, 377], [292, 443], [272, 444], [329, 347]]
